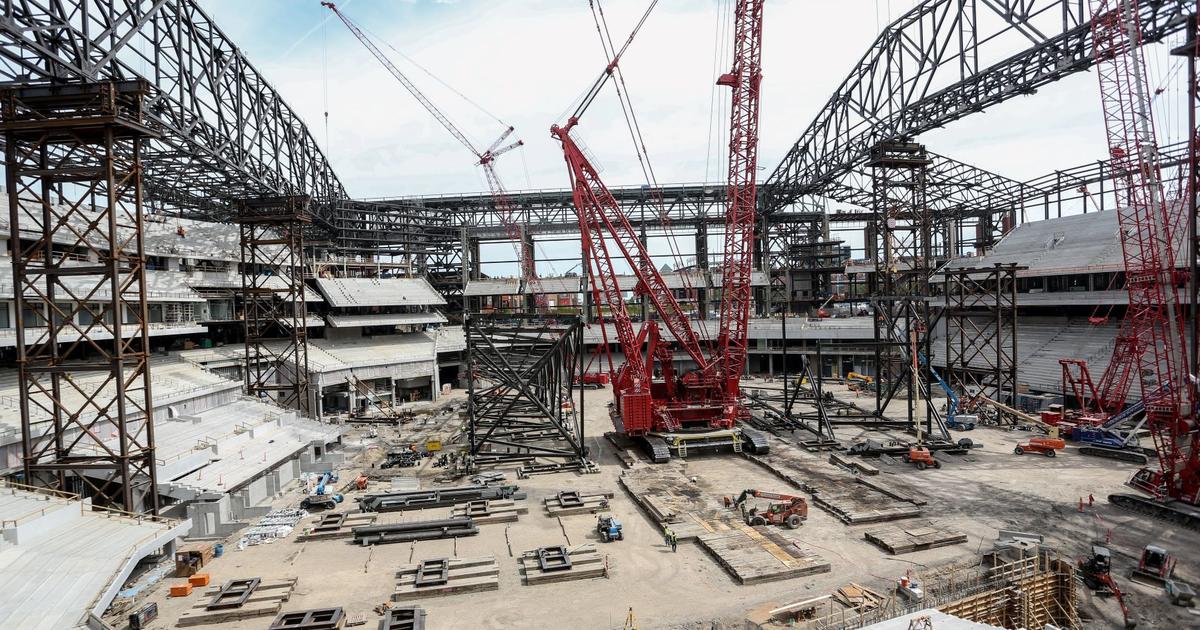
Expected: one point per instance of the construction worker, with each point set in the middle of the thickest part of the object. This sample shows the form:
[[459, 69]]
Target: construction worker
[[674, 542], [1091, 500], [667, 534]]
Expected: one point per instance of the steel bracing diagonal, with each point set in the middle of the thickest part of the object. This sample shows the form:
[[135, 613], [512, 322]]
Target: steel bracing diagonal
[[226, 134], [937, 63]]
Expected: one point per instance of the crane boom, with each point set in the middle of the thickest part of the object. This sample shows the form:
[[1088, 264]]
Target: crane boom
[[745, 78], [507, 210], [598, 205], [1152, 339]]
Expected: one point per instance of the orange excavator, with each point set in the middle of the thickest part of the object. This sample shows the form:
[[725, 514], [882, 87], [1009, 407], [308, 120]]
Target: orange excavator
[[790, 511]]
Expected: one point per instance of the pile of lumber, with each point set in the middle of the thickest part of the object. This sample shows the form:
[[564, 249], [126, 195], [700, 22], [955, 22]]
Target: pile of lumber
[[857, 596]]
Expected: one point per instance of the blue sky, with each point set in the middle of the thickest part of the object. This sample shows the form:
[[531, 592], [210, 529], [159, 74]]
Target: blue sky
[[526, 60]]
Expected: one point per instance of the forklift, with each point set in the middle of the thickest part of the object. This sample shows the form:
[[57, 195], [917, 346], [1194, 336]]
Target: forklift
[[790, 511]]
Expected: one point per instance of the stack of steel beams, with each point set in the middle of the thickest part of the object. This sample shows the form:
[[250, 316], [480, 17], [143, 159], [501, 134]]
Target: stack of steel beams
[[418, 530]]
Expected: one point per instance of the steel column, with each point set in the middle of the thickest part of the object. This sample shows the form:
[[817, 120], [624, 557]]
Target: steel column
[[74, 181], [273, 299]]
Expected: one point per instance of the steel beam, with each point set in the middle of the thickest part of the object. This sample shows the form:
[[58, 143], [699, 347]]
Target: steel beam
[[939, 62], [226, 134]]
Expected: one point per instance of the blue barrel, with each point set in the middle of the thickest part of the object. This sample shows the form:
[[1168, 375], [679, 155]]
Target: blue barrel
[[218, 549]]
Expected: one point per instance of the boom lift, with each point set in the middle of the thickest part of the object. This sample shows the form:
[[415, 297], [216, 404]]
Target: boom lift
[[699, 408], [1151, 344], [506, 209]]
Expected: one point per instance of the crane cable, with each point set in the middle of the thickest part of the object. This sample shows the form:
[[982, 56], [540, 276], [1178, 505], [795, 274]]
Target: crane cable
[[433, 76], [591, 93], [643, 154]]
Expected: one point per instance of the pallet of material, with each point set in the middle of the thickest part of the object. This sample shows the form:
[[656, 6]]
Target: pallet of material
[[586, 563], [909, 537], [590, 502], [464, 575], [495, 511], [266, 600], [853, 463], [322, 529], [756, 554]]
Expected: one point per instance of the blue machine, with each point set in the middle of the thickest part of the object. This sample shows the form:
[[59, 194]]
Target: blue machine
[[609, 528], [952, 400], [322, 497]]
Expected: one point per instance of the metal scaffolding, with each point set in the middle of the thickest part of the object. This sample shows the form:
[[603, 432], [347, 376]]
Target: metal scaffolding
[[900, 245], [981, 330], [73, 165], [273, 297], [521, 388]]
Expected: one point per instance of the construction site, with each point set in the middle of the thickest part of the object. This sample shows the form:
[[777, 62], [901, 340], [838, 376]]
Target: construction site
[[314, 366]]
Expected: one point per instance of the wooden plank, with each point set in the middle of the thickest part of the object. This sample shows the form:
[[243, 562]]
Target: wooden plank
[[464, 575], [752, 556], [586, 563], [357, 519], [854, 463], [891, 491], [592, 502], [898, 539], [499, 511]]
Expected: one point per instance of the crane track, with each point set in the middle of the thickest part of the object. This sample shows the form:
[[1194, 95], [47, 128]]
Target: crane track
[[1112, 453], [1154, 509]]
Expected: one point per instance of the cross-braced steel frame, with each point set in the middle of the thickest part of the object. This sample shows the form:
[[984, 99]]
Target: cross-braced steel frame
[[226, 134], [73, 165], [273, 296], [521, 384], [981, 330], [900, 244]]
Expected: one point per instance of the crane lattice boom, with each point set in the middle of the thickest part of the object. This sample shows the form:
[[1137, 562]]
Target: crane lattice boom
[[1151, 341]]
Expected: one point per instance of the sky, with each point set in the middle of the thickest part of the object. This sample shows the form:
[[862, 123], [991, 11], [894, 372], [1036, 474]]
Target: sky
[[525, 62]]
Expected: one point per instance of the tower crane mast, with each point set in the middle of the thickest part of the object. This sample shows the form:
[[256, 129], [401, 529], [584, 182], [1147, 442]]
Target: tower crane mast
[[1151, 342], [506, 209]]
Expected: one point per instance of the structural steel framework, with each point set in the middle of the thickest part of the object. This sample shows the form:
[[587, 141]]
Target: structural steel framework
[[900, 245], [73, 163], [273, 296], [981, 330], [939, 62], [521, 384], [224, 133]]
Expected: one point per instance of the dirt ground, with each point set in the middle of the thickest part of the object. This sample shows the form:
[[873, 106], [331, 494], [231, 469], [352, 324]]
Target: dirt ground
[[978, 494]]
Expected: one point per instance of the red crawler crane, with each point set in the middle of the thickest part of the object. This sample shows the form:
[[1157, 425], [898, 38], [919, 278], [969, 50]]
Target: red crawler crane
[[1151, 342], [699, 408], [505, 208]]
